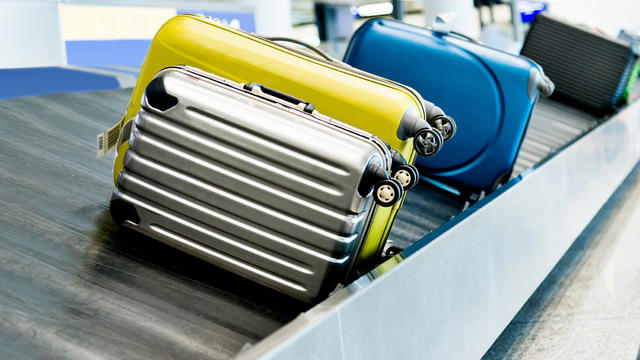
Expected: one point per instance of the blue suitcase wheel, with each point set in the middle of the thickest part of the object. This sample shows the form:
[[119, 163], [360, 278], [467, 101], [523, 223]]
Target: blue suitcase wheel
[[446, 126], [387, 192], [427, 141]]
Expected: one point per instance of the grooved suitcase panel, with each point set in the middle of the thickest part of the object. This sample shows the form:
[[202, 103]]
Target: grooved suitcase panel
[[586, 67], [249, 184], [375, 105]]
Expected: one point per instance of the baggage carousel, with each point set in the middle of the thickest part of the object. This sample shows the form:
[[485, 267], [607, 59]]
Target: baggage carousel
[[74, 285]]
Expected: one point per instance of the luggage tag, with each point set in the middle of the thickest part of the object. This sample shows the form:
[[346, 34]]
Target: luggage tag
[[106, 141]]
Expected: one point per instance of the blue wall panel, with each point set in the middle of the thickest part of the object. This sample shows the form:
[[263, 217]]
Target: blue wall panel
[[45, 80], [132, 52], [107, 52]]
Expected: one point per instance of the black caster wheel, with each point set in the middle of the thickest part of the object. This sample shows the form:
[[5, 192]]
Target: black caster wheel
[[387, 192], [393, 250], [407, 174], [446, 126], [428, 141]]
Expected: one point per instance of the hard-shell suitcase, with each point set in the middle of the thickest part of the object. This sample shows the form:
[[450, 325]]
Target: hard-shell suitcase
[[253, 180], [389, 110], [489, 93], [591, 70]]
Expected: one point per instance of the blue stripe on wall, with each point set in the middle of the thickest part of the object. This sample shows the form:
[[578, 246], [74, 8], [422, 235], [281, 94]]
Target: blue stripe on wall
[[133, 71], [45, 80], [107, 52]]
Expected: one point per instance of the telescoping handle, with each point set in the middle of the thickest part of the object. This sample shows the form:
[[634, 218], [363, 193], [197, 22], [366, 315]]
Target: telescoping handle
[[299, 103]]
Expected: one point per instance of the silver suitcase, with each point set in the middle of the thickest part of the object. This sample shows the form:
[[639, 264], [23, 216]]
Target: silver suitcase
[[253, 180]]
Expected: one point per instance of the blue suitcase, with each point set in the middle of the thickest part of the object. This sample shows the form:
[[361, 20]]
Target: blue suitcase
[[489, 93]]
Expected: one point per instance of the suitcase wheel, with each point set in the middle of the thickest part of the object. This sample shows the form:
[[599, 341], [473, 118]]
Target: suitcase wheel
[[407, 175], [390, 252], [427, 141], [446, 126], [393, 250], [387, 192]]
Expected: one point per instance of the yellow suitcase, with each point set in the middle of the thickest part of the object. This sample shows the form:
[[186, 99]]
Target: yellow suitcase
[[393, 112]]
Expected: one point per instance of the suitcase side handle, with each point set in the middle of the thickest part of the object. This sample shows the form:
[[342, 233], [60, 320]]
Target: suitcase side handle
[[299, 103], [539, 82], [304, 44]]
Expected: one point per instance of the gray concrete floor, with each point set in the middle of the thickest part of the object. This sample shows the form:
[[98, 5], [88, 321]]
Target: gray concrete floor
[[589, 305]]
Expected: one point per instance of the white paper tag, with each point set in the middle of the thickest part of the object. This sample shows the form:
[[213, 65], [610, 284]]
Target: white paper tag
[[107, 140]]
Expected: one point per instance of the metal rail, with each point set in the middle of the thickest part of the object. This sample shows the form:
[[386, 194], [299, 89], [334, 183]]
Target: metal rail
[[450, 295]]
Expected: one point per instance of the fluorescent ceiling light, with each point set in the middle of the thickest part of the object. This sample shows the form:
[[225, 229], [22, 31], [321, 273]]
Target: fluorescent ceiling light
[[369, 10]]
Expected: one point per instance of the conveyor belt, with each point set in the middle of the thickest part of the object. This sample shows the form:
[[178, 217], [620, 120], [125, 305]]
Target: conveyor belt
[[75, 285], [553, 125], [425, 208]]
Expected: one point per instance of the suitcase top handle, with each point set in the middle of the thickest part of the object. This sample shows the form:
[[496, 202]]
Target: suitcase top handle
[[299, 103], [304, 44], [442, 27], [538, 81]]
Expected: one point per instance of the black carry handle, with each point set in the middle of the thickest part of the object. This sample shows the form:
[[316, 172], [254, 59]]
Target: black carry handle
[[308, 107]]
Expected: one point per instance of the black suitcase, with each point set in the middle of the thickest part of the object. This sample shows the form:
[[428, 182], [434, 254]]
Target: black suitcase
[[591, 71]]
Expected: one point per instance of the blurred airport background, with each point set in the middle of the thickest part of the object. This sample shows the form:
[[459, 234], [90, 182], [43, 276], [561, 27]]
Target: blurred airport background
[[100, 44]]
